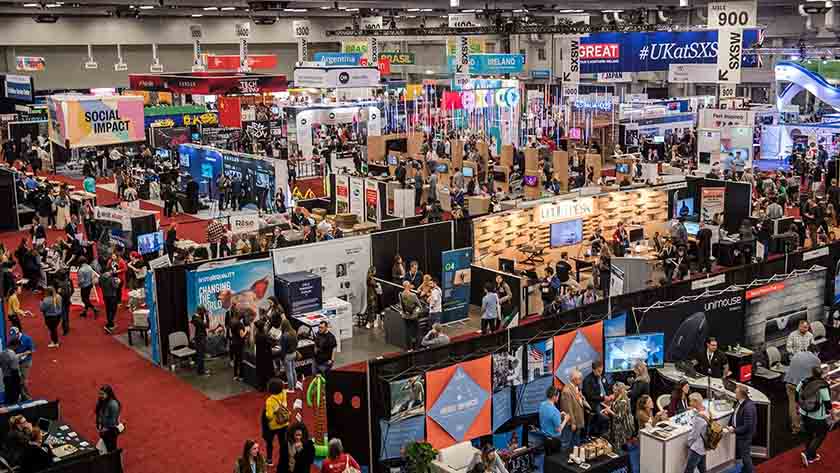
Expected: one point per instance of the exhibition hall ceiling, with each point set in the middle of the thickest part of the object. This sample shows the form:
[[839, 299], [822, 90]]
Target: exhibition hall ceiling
[[314, 8]]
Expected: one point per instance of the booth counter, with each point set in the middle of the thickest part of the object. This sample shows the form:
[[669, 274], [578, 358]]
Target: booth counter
[[664, 446]]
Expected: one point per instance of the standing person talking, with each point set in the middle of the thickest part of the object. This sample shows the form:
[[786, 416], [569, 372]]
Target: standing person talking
[[199, 322], [86, 277], [288, 346], [52, 309], [489, 309], [108, 423], [238, 335], [111, 286]]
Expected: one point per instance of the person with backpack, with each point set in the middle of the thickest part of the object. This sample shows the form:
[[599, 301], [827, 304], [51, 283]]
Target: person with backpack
[[275, 420], [698, 438], [814, 401]]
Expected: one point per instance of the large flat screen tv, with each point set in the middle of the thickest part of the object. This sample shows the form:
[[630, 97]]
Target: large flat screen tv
[[621, 353], [566, 233]]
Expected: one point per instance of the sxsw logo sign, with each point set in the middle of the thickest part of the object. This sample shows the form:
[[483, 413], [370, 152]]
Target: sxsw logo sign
[[600, 52]]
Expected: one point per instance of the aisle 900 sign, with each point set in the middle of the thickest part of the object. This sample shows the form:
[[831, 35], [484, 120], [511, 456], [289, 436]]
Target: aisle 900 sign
[[731, 14]]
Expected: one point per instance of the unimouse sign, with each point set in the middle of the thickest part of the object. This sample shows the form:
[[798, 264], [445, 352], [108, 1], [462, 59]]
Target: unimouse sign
[[106, 121]]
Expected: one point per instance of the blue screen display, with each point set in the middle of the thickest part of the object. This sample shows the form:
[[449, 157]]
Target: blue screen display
[[616, 326], [620, 353], [566, 233], [150, 242]]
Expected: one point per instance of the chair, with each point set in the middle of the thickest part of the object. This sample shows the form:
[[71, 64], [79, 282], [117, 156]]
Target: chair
[[774, 360], [179, 348], [818, 329], [663, 401], [454, 459]]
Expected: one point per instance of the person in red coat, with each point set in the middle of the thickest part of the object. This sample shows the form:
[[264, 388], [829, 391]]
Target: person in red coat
[[337, 461]]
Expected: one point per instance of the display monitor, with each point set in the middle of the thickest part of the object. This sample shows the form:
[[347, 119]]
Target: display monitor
[[684, 207], [616, 326], [705, 157], [566, 233], [442, 167], [530, 181], [636, 234], [507, 265], [574, 134], [468, 172], [782, 225], [184, 159], [263, 180], [621, 353], [692, 228], [392, 160], [659, 139], [623, 168], [150, 242], [196, 137], [162, 153]]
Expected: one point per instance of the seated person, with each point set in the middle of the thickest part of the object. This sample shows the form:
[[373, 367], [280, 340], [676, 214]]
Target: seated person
[[435, 337]]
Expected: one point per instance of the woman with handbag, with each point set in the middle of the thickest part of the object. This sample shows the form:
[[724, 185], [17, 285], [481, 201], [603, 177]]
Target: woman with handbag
[[108, 423], [301, 451], [275, 420], [337, 461]]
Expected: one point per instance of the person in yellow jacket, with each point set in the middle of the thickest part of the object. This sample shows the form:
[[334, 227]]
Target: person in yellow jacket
[[274, 423]]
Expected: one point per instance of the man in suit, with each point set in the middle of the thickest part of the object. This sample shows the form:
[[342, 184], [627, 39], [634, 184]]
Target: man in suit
[[743, 424], [711, 362], [573, 404], [597, 394]]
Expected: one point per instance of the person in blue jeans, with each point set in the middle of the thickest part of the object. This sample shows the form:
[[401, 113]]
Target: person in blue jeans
[[696, 438]]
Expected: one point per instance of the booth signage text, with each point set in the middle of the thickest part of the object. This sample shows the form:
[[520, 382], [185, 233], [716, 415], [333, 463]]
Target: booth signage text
[[566, 210]]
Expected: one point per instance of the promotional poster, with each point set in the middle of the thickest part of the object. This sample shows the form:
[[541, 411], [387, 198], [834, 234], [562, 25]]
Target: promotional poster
[[458, 404], [408, 398], [357, 198], [248, 285], [342, 194], [342, 265], [455, 284], [372, 201], [577, 350], [540, 359], [712, 203]]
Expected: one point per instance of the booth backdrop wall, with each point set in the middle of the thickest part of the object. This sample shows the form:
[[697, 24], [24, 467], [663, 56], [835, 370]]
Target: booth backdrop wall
[[423, 243]]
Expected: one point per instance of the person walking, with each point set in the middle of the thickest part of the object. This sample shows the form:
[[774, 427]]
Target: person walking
[[52, 309], [108, 409], [24, 350], [489, 309], [301, 450], [801, 366], [251, 460], [111, 291], [64, 288], [275, 420], [86, 277], [10, 367], [262, 355], [814, 407], [337, 461], [696, 437]]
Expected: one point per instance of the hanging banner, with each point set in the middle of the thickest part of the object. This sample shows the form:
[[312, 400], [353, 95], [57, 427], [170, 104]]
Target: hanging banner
[[230, 62], [372, 201], [730, 44], [372, 50], [337, 77], [371, 23], [731, 14], [727, 91], [570, 62], [357, 199], [19, 88], [463, 20], [455, 284], [397, 58], [30, 63], [654, 51], [476, 46], [301, 30], [342, 194], [462, 55], [244, 223], [712, 203], [96, 120], [615, 77], [339, 59], [342, 264], [692, 73], [492, 64], [209, 84], [354, 46]]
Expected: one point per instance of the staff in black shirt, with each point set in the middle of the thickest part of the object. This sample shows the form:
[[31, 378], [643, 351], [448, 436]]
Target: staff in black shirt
[[325, 344], [199, 322], [238, 333], [711, 362]]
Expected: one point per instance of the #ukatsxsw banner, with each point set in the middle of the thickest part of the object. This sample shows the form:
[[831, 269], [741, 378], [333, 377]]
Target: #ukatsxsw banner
[[456, 284], [248, 285], [639, 52], [95, 121], [458, 402]]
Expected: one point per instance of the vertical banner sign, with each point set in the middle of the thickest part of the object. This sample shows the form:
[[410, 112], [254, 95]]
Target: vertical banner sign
[[301, 31], [570, 66], [243, 32], [462, 50], [455, 284], [195, 34], [372, 24], [372, 201], [372, 51], [712, 203], [342, 194], [730, 19], [357, 199]]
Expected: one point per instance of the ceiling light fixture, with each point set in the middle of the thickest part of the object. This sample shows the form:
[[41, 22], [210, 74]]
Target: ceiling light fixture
[[612, 11], [228, 8], [324, 8], [31, 5], [351, 9], [52, 5], [209, 8], [413, 10], [468, 11], [147, 7], [571, 11], [454, 3], [295, 10], [196, 15], [427, 10]]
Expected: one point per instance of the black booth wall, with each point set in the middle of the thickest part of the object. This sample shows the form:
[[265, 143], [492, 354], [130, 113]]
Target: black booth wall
[[423, 243], [8, 194], [384, 370]]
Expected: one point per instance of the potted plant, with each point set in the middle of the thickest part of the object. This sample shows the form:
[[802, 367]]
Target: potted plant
[[419, 457]]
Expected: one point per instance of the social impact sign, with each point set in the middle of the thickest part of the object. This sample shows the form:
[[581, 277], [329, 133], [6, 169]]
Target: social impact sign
[[248, 285], [640, 52], [96, 121], [456, 284]]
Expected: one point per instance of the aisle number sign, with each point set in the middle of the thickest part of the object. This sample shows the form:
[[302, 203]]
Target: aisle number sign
[[462, 63], [463, 20], [302, 28], [731, 15], [727, 91], [730, 19]]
